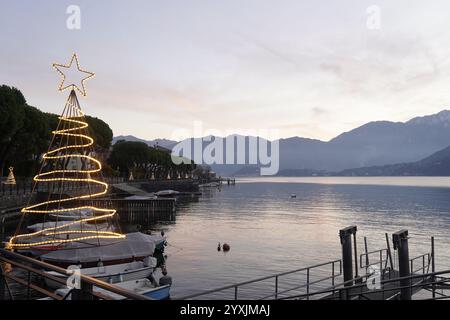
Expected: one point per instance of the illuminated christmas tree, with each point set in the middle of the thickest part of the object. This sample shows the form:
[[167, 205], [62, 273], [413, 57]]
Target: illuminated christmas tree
[[11, 180], [69, 164]]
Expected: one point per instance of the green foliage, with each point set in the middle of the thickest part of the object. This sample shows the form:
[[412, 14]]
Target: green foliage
[[12, 105], [26, 132], [12, 114], [144, 161], [101, 132], [126, 155], [30, 142]]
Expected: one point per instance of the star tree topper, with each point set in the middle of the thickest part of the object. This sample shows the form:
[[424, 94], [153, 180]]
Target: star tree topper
[[77, 72]]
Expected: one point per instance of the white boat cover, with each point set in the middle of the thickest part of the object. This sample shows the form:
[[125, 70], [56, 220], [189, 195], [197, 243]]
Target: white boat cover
[[135, 245], [167, 193], [76, 226], [137, 197]]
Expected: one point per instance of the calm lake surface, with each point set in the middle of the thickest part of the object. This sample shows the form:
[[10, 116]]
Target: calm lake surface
[[269, 232]]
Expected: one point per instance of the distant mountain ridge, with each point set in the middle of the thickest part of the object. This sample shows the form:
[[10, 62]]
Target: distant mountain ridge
[[377, 143], [162, 142], [438, 164]]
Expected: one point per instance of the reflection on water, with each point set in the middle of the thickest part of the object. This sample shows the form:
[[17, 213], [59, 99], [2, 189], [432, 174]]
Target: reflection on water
[[270, 232]]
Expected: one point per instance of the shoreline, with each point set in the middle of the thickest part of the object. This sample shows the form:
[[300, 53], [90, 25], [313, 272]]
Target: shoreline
[[409, 181]]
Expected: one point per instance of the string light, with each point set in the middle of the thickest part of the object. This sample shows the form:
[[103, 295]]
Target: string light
[[73, 86], [61, 153]]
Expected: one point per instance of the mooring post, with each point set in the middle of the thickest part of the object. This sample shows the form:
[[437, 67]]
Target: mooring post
[[400, 242], [347, 261], [433, 268]]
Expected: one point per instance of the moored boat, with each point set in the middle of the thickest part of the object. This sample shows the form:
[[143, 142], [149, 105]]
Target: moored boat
[[135, 247], [140, 286], [72, 215], [68, 225], [167, 193], [113, 273]]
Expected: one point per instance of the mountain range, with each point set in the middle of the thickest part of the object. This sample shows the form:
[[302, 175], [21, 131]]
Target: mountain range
[[438, 164], [409, 145], [169, 144]]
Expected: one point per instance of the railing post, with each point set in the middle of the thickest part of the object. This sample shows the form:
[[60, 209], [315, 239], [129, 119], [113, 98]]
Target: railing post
[[332, 278], [400, 241], [2, 284], [367, 250], [29, 287], [423, 264], [381, 262], [347, 261], [307, 284], [343, 294], [433, 278], [355, 248], [84, 293], [276, 287], [389, 252]]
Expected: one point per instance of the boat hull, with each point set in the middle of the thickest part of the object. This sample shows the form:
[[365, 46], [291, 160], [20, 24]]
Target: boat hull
[[106, 276], [159, 293]]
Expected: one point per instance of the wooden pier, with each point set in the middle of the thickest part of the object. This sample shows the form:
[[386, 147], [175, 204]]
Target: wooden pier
[[139, 211], [14, 197]]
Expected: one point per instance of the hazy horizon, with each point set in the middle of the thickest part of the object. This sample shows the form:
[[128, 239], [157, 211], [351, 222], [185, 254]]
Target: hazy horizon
[[308, 69], [234, 134]]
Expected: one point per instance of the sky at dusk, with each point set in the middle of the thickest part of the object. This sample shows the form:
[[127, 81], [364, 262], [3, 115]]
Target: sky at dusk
[[306, 68]]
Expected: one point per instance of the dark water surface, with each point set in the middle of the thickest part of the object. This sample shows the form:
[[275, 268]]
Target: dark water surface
[[269, 232]]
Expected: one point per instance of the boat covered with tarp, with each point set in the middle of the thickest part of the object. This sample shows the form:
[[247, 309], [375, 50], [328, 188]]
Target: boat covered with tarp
[[136, 246], [69, 225]]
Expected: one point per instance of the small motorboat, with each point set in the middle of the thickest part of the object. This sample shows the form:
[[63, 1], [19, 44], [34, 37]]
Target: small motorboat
[[72, 215], [210, 185], [293, 196], [135, 247], [113, 273], [167, 193], [143, 287], [69, 226], [137, 197]]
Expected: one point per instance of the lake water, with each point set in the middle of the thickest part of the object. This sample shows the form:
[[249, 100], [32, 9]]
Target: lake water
[[269, 232]]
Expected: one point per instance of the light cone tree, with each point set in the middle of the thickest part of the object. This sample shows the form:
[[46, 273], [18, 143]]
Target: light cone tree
[[69, 162]]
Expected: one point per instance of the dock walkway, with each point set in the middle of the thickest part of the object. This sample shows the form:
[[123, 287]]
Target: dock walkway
[[388, 290]]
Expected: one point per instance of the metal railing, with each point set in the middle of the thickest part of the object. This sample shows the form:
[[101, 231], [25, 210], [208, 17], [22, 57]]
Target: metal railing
[[426, 263], [336, 271], [425, 279], [433, 281], [382, 256], [35, 267]]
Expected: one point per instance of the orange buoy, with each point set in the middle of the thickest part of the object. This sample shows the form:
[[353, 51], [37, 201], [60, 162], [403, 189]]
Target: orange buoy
[[226, 247]]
